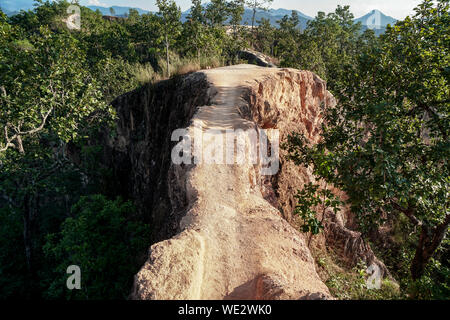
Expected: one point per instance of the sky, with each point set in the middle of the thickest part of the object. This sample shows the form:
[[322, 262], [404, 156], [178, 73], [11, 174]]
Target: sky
[[398, 9]]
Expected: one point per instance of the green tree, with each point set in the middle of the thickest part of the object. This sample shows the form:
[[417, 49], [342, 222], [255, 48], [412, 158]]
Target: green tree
[[3, 16], [386, 143], [145, 38], [197, 13], [217, 13], [133, 16], [46, 13], [194, 30], [265, 37], [101, 238], [236, 9], [310, 199], [288, 38], [170, 27], [43, 88], [256, 5], [47, 99], [334, 37]]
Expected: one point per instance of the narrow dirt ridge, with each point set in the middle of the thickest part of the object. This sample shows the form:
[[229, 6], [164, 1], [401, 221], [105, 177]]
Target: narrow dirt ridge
[[234, 244]]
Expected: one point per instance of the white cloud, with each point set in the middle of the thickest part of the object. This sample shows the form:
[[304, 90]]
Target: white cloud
[[96, 3]]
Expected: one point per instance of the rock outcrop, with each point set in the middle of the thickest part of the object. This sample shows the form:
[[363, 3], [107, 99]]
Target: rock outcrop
[[258, 58], [293, 102], [221, 231], [139, 153]]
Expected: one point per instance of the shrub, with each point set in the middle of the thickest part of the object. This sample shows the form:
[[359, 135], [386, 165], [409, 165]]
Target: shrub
[[116, 77], [353, 286], [144, 73], [104, 241], [179, 66]]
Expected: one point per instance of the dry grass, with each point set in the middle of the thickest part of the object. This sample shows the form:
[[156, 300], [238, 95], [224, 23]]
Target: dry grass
[[180, 66], [211, 62], [187, 67], [144, 73]]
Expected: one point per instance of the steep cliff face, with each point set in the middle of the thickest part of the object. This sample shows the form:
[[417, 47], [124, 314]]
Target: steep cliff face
[[221, 230], [293, 102], [139, 153]]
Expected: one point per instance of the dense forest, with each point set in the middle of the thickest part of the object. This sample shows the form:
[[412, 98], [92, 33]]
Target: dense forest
[[385, 144]]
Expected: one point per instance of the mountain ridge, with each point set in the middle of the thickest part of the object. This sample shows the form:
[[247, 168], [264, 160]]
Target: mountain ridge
[[375, 19], [274, 15]]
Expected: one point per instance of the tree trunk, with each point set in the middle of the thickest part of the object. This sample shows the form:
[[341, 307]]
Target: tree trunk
[[20, 145], [429, 241], [253, 18], [167, 56], [30, 230], [27, 226], [253, 24], [197, 46]]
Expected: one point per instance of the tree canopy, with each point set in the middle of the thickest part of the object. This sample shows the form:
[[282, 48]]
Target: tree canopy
[[386, 142]]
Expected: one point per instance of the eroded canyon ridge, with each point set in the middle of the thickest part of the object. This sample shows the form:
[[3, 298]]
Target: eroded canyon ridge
[[224, 231]]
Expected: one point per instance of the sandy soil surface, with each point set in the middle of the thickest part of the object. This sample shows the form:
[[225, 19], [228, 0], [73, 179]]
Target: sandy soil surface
[[234, 244]]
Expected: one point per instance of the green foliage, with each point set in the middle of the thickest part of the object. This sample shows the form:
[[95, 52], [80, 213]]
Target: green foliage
[[353, 286], [3, 16], [117, 76], [170, 26], [310, 199], [236, 9], [104, 241], [288, 35], [44, 86], [386, 143], [46, 13], [265, 37], [216, 13], [398, 256], [434, 284], [55, 89], [329, 44], [336, 38]]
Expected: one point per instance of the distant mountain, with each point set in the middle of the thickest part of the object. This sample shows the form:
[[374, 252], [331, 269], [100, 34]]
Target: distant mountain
[[273, 15], [377, 18], [377, 21], [283, 12], [11, 7], [118, 11], [9, 13]]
